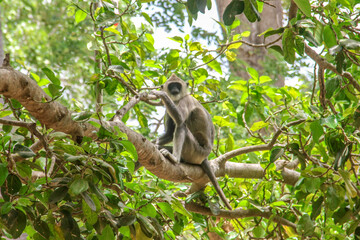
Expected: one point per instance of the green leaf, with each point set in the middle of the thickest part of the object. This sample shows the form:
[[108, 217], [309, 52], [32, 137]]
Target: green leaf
[[177, 39], [333, 198], [305, 23], [229, 144], [192, 6], [42, 228], [305, 226], [80, 16], [130, 148], [215, 65], [299, 46], [23, 151], [316, 207], [251, 11], [271, 32], [116, 68], [214, 207], [304, 6], [81, 116], [172, 56], [91, 215], [78, 186], [55, 90], [316, 130], [331, 85], [309, 36], [288, 46], [14, 222], [259, 232], [127, 220], [339, 59], [167, 209], [331, 121], [253, 73], [5, 113], [276, 153], [329, 37], [58, 195], [277, 48], [201, 5], [312, 184], [234, 8], [13, 184], [146, 227], [88, 201], [6, 207], [141, 117], [147, 18], [258, 125], [50, 74], [3, 173]]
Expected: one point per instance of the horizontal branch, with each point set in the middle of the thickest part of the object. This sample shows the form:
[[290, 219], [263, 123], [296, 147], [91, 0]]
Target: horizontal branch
[[51, 114], [264, 147], [239, 213]]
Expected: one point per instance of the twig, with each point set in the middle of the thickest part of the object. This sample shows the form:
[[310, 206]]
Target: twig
[[252, 44], [264, 147], [247, 127], [326, 65], [133, 101], [322, 87], [105, 45], [30, 126]]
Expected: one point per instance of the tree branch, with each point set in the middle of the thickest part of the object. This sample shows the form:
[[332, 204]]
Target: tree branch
[[240, 213], [14, 84], [326, 65]]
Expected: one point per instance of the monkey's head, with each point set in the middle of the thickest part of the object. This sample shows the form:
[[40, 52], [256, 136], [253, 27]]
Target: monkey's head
[[175, 87]]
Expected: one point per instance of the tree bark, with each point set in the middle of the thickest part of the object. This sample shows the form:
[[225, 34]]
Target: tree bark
[[2, 55], [271, 17]]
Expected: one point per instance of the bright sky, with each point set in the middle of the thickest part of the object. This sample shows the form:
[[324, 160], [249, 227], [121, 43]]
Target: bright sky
[[205, 21]]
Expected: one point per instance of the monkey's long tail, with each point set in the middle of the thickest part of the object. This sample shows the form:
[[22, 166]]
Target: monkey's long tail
[[207, 169]]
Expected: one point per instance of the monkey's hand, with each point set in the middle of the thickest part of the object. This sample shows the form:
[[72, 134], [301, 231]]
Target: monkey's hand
[[169, 156]]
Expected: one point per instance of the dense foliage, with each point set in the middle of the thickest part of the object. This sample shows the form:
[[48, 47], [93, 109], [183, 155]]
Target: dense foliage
[[305, 139]]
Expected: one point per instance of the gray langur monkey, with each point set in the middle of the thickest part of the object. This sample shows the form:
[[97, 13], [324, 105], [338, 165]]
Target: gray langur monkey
[[189, 126]]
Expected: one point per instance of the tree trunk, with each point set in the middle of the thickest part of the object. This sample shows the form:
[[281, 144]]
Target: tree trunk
[[271, 17], [2, 55]]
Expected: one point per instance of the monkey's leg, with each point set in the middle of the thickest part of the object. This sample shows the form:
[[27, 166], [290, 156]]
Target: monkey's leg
[[178, 141]]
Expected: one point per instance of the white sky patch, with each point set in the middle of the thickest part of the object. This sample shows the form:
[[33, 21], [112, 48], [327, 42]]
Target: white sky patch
[[205, 21]]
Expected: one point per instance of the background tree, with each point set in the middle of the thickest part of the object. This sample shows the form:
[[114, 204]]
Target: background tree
[[288, 157], [270, 16]]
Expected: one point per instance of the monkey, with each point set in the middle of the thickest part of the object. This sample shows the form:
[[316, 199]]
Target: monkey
[[189, 126]]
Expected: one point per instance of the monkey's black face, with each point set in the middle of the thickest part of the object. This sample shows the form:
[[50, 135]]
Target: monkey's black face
[[174, 88]]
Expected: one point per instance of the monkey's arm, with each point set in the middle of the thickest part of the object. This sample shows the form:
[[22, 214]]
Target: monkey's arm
[[171, 108], [169, 132]]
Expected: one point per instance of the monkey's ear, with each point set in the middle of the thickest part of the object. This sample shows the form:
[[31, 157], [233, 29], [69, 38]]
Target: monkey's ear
[[187, 84]]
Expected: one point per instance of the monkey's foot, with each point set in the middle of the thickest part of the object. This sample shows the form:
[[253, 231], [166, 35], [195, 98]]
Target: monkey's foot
[[168, 155]]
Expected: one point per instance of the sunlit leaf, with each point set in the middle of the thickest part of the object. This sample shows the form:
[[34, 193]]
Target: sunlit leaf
[[304, 6]]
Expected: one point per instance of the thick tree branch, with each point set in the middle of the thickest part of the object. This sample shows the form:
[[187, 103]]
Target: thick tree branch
[[53, 115]]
